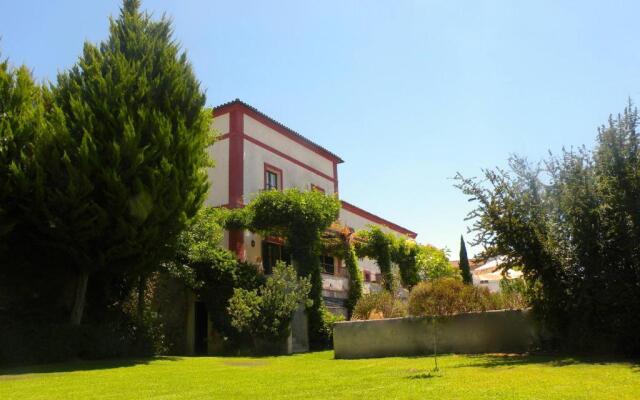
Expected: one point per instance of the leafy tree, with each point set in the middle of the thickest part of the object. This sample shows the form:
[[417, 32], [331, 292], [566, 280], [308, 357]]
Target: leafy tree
[[465, 270], [29, 125], [132, 169], [266, 313], [573, 224], [433, 263]]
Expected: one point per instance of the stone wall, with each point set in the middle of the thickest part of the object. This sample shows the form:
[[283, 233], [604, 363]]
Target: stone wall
[[488, 332]]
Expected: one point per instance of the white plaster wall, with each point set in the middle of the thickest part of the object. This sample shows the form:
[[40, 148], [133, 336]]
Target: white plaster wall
[[221, 123], [357, 222], [280, 142], [293, 175], [253, 254], [219, 175]]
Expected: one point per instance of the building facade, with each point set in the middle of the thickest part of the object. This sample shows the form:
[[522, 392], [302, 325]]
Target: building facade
[[254, 153]]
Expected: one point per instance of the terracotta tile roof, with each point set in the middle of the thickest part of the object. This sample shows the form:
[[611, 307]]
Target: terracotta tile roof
[[283, 126]]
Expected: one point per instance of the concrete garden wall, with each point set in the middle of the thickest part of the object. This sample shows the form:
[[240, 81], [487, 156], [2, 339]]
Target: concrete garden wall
[[489, 332]]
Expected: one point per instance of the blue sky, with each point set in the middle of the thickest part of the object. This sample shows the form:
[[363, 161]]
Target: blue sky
[[406, 92]]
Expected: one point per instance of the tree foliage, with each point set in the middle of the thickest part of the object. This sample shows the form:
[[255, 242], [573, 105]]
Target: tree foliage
[[301, 218], [465, 269], [132, 161], [355, 277], [433, 264], [378, 245], [573, 224], [30, 274], [211, 272], [266, 312], [405, 254], [379, 306], [449, 296]]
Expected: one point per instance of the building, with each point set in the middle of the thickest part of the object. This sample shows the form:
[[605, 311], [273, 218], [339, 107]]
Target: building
[[255, 152], [490, 274]]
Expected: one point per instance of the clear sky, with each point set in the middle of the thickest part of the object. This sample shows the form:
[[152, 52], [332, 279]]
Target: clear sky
[[406, 92]]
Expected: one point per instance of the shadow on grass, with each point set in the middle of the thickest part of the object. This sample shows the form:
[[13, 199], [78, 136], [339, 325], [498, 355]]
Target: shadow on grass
[[514, 360], [424, 375], [80, 365]]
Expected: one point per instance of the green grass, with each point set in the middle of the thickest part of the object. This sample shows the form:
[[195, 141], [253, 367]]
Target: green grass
[[319, 376]]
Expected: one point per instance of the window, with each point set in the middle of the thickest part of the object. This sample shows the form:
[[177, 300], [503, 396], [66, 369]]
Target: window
[[316, 188], [271, 181], [272, 177], [328, 266], [367, 276], [272, 253]]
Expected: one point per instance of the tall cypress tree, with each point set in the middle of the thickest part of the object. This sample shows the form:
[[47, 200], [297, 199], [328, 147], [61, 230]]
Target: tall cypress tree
[[28, 121], [464, 263], [132, 166]]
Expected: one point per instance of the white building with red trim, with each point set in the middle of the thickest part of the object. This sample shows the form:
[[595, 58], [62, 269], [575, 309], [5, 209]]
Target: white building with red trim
[[253, 153]]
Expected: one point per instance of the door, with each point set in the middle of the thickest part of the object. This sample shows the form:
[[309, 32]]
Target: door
[[201, 330]]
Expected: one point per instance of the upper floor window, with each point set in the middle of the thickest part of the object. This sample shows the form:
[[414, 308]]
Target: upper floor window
[[272, 177]]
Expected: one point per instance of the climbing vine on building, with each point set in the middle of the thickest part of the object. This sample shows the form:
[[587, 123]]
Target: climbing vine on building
[[377, 245], [300, 218], [405, 254]]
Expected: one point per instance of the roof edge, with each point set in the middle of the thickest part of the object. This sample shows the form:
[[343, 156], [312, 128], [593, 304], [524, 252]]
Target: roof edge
[[366, 214], [283, 129]]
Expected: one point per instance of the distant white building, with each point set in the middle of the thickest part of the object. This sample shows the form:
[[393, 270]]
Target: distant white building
[[490, 274]]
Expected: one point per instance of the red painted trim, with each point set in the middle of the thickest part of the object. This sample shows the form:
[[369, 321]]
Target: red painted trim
[[287, 157], [236, 159], [236, 176], [236, 243], [277, 171], [222, 137], [335, 178], [318, 188], [379, 220], [283, 130]]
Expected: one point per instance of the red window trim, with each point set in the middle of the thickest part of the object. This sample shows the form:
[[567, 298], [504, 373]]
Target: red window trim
[[318, 188], [275, 170]]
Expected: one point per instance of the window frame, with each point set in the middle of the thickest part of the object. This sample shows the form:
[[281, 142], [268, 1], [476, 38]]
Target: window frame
[[323, 263], [272, 169]]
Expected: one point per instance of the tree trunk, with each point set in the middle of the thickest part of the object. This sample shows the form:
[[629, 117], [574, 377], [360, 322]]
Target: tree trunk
[[81, 293]]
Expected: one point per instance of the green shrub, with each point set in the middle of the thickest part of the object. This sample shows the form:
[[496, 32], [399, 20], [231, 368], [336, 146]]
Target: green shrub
[[329, 319], [266, 313], [514, 293], [451, 296], [34, 342], [376, 305], [212, 273]]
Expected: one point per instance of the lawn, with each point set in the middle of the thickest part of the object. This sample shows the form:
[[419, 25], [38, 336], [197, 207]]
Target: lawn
[[319, 376]]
